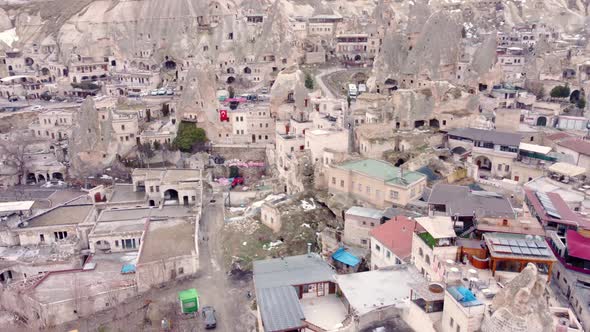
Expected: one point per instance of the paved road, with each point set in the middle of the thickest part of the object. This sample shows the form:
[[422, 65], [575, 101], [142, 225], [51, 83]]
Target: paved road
[[320, 79]]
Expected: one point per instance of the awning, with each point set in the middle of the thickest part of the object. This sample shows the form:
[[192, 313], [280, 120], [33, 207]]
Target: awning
[[577, 245], [535, 148], [567, 169], [128, 268], [345, 257]]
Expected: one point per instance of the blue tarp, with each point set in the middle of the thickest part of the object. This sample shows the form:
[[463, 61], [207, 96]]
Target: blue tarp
[[345, 257], [128, 268]]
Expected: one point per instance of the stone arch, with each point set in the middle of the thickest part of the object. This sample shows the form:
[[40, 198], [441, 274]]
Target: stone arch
[[359, 78], [31, 178], [45, 71], [357, 57], [391, 84], [41, 178], [7, 276], [169, 64], [575, 96], [433, 123], [230, 70], [542, 121], [29, 61], [483, 162], [102, 245], [171, 195], [152, 202], [57, 176], [399, 162], [230, 80], [247, 70]]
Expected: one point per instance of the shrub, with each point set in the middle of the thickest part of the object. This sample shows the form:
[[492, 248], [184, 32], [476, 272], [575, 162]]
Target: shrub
[[309, 83], [189, 135], [560, 91]]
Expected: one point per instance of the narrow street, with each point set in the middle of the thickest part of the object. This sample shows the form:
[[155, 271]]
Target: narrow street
[[320, 79]]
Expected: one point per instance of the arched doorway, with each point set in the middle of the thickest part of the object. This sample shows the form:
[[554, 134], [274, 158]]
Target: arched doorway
[[6, 276], [57, 176], [575, 96], [102, 245], [357, 57], [29, 62], [419, 123], [541, 121], [41, 178], [399, 162], [247, 70], [171, 195], [433, 123], [31, 178], [483, 163], [230, 70], [230, 80], [45, 71], [169, 65], [391, 84], [152, 202]]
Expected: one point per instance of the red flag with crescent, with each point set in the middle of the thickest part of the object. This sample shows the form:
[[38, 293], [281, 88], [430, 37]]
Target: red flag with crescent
[[223, 115]]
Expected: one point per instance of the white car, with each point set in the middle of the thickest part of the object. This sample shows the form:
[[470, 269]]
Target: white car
[[36, 108], [143, 94], [154, 93], [162, 92]]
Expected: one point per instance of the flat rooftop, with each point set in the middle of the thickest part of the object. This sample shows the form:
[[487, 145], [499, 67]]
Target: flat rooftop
[[107, 275], [367, 291], [168, 239], [125, 193], [142, 213], [121, 226], [292, 270], [61, 215], [327, 312]]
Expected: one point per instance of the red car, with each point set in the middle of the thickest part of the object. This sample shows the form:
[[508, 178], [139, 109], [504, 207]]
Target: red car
[[237, 181]]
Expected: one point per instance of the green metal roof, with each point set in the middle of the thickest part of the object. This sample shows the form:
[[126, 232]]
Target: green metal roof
[[188, 294], [382, 170]]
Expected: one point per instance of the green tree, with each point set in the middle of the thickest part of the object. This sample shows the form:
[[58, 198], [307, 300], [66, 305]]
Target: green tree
[[581, 104], [188, 135], [560, 91], [309, 83]]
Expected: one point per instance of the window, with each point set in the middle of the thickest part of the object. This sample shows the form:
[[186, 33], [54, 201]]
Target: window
[[122, 127], [368, 190], [420, 252], [360, 187], [388, 254], [452, 322], [333, 180], [342, 183], [151, 189], [499, 167], [377, 247], [427, 259], [397, 261], [181, 270], [372, 224], [393, 194], [458, 328], [116, 243], [42, 239], [364, 242], [507, 168], [157, 189]]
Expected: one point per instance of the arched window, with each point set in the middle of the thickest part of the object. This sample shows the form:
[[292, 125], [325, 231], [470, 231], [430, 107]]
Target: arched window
[[427, 259], [420, 252]]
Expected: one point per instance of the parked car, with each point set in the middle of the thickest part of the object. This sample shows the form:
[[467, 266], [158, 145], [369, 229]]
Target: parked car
[[154, 93], [79, 100], [264, 90], [209, 317], [170, 92], [162, 92], [237, 181], [12, 99]]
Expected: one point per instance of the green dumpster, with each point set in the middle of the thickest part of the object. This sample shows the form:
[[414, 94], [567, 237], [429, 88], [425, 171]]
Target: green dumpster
[[189, 300]]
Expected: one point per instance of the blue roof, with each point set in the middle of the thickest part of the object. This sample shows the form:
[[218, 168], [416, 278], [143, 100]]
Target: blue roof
[[345, 257], [128, 268]]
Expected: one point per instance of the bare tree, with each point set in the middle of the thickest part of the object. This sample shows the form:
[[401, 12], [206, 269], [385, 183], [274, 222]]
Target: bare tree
[[14, 155]]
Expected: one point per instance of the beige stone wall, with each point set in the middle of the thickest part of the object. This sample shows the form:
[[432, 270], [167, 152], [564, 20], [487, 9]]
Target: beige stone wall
[[456, 318], [357, 229], [381, 256], [32, 236], [271, 217], [154, 273]]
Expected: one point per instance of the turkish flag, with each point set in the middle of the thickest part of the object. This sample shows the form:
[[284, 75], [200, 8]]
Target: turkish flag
[[223, 115]]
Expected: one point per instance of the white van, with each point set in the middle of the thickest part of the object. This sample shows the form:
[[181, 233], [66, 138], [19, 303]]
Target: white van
[[352, 91]]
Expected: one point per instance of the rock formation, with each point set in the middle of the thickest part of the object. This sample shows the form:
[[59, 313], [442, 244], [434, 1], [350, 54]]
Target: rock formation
[[520, 306]]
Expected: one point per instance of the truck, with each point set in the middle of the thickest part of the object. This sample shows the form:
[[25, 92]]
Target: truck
[[352, 91]]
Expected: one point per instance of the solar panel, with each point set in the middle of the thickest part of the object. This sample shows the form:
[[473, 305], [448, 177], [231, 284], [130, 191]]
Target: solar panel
[[504, 242], [541, 244], [544, 252], [525, 251], [535, 252], [516, 250], [547, 205], [521, 243], [504, 249]]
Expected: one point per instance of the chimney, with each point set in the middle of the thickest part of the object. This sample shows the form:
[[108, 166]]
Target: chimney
[[308, 249]]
